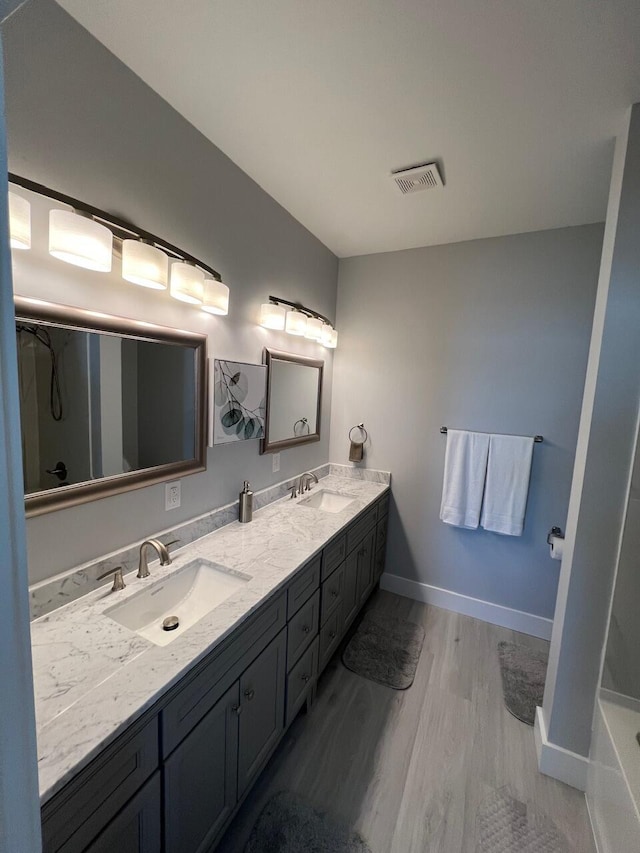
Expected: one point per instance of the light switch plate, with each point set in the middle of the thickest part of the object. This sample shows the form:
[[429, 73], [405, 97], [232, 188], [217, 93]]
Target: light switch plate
[[275, 464], [172, 495]]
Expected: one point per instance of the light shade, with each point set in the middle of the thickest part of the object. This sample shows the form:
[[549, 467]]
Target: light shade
[[144, 264], [215, 297], [19, 222], [272, 316], [314, 329], [296, 323], [334, 340], [327, 331], [187, 283], [80, 241]]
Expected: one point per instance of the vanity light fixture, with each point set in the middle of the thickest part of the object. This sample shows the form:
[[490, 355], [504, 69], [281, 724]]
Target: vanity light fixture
[[144, 264], [300, 320], [296, 323], [187, 282], [19, 222], [272, 316], [79, 240], [85, 235], [327, 332], [313, 330], [215, 297]]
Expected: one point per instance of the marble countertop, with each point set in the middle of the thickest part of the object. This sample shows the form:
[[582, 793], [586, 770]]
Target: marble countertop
[[93, 677]]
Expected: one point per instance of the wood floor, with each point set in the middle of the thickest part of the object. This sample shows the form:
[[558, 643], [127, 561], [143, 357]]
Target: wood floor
[[409, 769]]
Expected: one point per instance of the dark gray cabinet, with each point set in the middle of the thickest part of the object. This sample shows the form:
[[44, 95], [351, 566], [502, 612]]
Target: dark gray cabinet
[[172, 782], [136, 829], [200, 779], [262, 717]]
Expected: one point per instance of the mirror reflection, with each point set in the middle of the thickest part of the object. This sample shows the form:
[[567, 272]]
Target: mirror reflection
[[294, 394], [104, 409]]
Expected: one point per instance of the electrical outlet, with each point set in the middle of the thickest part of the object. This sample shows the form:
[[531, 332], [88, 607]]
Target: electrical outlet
[[275, 463], [172, 495]]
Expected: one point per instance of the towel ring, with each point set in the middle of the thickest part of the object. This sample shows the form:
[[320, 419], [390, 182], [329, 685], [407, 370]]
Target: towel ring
[[304, 422], [360, 427]]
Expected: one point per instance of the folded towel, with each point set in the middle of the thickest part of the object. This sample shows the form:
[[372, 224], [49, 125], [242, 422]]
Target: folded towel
[[465, 468], [505, 496]]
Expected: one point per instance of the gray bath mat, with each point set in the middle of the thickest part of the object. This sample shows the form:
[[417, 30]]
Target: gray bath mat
[[385, 649], [505, 825], [288, 824], [523, 674]]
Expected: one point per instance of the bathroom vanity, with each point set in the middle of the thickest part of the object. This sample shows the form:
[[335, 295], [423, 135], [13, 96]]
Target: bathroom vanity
[[159, 756]]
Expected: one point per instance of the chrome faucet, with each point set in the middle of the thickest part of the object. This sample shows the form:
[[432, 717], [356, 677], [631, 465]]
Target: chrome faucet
[[162, 552], [303, 485]]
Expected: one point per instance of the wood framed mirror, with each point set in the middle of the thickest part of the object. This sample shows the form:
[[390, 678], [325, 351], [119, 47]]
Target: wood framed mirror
[[294, 400], [107, 404]]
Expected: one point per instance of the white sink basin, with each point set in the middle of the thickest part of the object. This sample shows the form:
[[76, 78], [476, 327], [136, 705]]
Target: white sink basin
[[188, 594], [328, 501]]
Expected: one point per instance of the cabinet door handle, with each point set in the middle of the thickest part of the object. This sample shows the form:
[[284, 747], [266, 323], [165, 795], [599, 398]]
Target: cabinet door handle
[[305, 629], [306, 678], [334, 593], [332, 635], [249, 694], [236, 709]]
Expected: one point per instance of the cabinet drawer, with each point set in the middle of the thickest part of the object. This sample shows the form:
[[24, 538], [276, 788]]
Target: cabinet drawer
[[333, 555], [332, 594], [381, 534], [360, 528], [73, 818], [383, 506], [330, 634], [300, 680], [199, 692], [303, 628], [304, 585]]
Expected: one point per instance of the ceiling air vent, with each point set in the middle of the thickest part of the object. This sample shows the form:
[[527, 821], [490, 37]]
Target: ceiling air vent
[[417, 178]]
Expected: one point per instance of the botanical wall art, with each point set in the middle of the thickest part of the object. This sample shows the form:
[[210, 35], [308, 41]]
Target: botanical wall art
[[238, 401]]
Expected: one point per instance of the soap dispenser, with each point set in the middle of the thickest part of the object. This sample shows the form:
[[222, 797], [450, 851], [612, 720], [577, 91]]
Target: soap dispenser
[[245, 499]]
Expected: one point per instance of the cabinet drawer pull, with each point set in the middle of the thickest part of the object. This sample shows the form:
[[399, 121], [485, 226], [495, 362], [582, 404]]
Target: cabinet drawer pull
[[305, 629], [236, 709], [249, 694], [306, 678]]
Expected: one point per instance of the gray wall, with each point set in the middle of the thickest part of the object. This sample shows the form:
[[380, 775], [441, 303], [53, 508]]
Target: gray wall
[[488, 335], [81, 122], [603, 463]]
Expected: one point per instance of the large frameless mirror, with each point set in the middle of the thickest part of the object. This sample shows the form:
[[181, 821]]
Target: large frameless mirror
[[107, 404], [294, 400]]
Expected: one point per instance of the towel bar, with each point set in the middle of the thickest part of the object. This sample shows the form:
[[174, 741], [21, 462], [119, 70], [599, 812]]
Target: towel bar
[[537, 438]]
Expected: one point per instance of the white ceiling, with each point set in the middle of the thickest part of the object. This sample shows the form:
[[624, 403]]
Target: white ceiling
[[318, 100]]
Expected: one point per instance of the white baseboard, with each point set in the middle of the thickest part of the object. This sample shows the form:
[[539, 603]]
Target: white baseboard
[[557, 762], [496, 614]]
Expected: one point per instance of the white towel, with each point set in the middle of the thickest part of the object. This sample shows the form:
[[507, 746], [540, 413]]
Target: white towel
[[505, 495], [465, 468]]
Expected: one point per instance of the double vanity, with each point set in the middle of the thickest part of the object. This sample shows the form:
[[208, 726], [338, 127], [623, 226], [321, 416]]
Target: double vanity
[[149, 739]]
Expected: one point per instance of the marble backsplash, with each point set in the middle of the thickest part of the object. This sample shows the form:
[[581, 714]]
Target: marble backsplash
[[54, 592]]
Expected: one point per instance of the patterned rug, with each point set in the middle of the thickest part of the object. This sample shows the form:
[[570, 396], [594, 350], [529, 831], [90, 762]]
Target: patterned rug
[[288, 824], [505, 825], [385, 649]]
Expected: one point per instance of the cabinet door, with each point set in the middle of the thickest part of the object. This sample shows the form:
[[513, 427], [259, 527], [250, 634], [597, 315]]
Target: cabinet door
[[136, 829], [200, 779], [350, 594], [262, 718], [365, 567]]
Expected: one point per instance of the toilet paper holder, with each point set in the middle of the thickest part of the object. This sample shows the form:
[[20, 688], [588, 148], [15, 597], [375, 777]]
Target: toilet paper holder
[[555, 531]]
